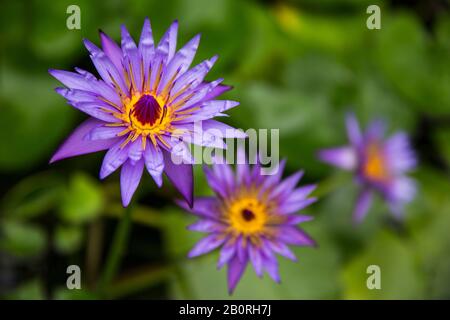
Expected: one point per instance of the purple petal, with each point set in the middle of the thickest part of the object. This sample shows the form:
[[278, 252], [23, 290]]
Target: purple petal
[[402, 189], [227, 252], [273, 180], [203, 206], [181, 176], [76, 145], [241, 249], [281, 249], [71, 80], [154, 162], [179, 64], [353, 130], [102, 133], [216, 91], [113, 159], [235, 270], [271, 266], [135, 150], [167, 44], [105, 67], [301, 193], [256, 260], [99, 87], [214, 182], [206, 245], [207, 226], [376, 130], [132, 60], [130, 175], [179, 150], [362, 205], [210, 109], [400, 155], [343, 157], [286, 187], [192, 95], [77, 95], [112, 50], [295, 236], [291, 207], [226, 130], [146, 47], [193, 77], [297, 218], [96, 110], [225, 175], [242, 168]]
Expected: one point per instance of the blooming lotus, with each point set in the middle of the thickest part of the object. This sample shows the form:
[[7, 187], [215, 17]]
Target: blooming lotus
[[252, 218], [144, 103], [380, 165]]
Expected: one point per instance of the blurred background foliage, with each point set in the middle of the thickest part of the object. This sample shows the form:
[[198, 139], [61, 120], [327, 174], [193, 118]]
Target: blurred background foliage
[[296, 65]]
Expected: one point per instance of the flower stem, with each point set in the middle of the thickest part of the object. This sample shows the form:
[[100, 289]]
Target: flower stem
[[117, 250]]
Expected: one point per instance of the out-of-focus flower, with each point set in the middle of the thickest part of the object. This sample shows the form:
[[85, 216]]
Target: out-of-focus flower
[[251, 218], [378, 164], [145, 103]]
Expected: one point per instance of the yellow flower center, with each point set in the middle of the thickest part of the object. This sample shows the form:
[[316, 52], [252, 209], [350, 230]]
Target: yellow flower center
[[247, 215], [146, 115], [375, 166]]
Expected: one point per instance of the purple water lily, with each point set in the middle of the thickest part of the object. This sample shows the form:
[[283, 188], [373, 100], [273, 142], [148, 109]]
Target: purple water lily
[[379, 165], [142, 107], [251, 218]]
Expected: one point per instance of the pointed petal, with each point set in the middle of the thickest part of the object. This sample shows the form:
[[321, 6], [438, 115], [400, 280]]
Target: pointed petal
[[256, 260], [206, 245], [227, 252], [271, 266], [282, 249], [194, 76], [292, 207], [102, 133], [293, 235], [207, 207], [168, 43], [113, 159], [236, 269], [399, 153], [242, 168], [226, 130], [105, 67], [343, 157], [353, 130], [76, 144], [179, 64], [216, 91], [130, 176], [214, 182], [112, 50], [286, 187], [71, 80], [146, 48], [146, 40], [210, 109], [154, 163], [96, 109], [135, 150], [132, 61], [362, 205], [207, 226], [301, 193], [181, 176]]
